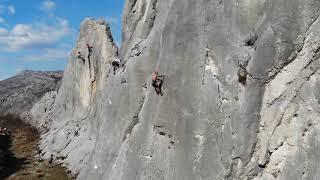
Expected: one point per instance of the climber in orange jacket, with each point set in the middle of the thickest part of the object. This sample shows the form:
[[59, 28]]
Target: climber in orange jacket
[[157, 82]]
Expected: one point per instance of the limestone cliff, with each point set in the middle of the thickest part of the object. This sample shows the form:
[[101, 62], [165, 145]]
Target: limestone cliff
[[241, 93], [69, 124]]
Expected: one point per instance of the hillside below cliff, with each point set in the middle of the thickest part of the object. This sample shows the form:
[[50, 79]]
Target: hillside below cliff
[[18, 95]]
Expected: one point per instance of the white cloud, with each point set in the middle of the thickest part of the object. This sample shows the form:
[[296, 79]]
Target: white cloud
[[34, 36], [48, 5], [2, 20], [112, 20], [49, 54], [3, 31], [19, 70], [11, 10]]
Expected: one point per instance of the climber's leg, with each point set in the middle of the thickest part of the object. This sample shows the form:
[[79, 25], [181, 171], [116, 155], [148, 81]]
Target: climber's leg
[[155, 85], [160, 82]]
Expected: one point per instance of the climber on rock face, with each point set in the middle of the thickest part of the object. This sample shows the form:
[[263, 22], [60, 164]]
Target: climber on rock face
[[157, 82]]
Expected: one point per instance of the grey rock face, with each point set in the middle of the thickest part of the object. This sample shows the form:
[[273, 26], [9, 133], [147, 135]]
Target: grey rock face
[[241, 93], [70, 125], [19, 93]]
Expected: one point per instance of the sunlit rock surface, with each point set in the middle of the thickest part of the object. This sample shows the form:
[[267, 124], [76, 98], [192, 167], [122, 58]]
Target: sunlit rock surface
[[241, 93], [69, 121]]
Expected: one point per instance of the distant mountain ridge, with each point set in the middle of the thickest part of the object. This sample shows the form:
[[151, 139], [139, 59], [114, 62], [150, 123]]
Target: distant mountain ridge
[[19, 93]]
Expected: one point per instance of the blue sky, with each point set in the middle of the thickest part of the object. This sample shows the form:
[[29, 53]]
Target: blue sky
[[39, 34]]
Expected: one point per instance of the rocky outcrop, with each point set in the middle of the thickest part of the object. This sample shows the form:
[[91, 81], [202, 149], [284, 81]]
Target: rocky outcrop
[[19, 93], [241, 93], [69, 120]]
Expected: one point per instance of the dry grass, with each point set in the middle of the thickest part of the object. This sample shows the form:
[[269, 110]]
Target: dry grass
[[24, 144]]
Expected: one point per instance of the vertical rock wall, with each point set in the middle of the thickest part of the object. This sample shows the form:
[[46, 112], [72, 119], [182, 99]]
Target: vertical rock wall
[[69, 125], [241, 93]]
